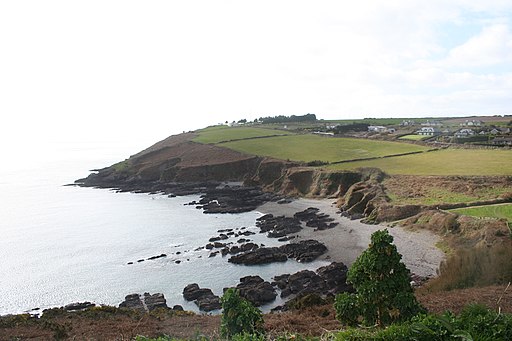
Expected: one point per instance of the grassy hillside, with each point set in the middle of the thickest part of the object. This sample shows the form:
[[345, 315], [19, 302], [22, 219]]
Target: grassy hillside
[[311, 147], [502, 211], [223, 133], [443, 162], [413, 137]]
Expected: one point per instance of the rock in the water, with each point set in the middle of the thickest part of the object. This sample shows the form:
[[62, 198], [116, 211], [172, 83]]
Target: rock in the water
[[78, 306], [256, 290], [264, 255], [303, 251], [145, 303], [203, 298], [155, 301]]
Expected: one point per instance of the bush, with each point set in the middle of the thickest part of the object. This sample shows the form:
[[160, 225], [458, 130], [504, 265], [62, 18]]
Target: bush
[[474, 323], [478, 266], [382, 283], [239, 316]]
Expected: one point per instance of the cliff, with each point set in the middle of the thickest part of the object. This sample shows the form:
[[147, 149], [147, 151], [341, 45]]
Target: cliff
[[177, 161]]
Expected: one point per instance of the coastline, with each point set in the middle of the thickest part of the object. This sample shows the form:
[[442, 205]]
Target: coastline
[[350, 238]]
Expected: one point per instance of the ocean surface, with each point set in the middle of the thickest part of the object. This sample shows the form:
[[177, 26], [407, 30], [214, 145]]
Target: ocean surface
[[62, 244]]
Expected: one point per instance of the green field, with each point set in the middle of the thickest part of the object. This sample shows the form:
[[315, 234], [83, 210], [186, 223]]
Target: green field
[[413, 137], [439, 195], [502, 211], [223, 133], [444, 162], [311, 147]]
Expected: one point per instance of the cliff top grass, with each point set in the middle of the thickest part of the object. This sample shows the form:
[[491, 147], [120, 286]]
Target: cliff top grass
[[218, 134], [413, 137], [308, 147], [501, 211], [463, 162], [435, 195]]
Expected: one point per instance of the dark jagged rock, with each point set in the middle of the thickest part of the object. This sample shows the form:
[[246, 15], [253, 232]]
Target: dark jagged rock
[[234, 199], [263, 255], [256, 290], [145, 303], [79, 306], [303, 251], [203, 298], [335, 277], [156, 257], [319, 221], [277, 227], [327, 280], [155, 301]]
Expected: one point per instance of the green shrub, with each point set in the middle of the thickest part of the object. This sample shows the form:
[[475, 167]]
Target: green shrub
[[382, 282], [239, 316]]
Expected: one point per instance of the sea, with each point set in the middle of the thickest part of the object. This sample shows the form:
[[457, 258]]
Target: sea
[[62, 244]]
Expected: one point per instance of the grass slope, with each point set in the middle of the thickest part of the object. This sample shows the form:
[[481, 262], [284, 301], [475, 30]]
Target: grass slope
[[445, 162], [311, 147], [502, 211], [413, 137], [223, 133]]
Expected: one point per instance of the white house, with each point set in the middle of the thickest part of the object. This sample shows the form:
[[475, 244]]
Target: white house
[[472, 123], [429, 131], [464, 133], [377, 129]]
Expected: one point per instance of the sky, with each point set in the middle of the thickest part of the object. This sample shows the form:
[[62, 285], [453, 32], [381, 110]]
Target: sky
[[143, 70]]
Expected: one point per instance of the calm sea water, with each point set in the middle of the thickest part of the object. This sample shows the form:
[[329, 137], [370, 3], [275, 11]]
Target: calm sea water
[[63, 244]]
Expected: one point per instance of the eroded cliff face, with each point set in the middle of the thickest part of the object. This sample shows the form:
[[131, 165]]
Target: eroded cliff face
[[178, 159]]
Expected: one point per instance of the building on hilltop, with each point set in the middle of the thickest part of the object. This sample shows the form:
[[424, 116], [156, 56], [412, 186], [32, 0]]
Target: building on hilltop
[[502, 141], [428, 131], [464, 133], [471, 123], [377, 129]]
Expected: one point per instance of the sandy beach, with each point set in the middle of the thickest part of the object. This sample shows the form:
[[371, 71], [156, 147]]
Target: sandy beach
[[346, 241]]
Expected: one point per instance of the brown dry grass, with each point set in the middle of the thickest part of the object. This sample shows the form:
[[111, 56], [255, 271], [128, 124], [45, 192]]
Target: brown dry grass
[[314, 321]]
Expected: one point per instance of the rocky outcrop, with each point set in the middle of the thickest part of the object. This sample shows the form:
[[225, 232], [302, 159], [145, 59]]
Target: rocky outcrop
[[303, 251], [78, 306], [312, 218], [144, 303], [277, 227], [263, 255], [205, 299], [326, 281], [234, 199], [256, 290]]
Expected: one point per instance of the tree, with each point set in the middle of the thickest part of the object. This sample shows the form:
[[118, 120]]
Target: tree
[[239, 315], [382, 283]]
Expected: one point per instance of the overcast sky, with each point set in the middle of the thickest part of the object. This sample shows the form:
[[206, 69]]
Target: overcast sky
[[147, 69]]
